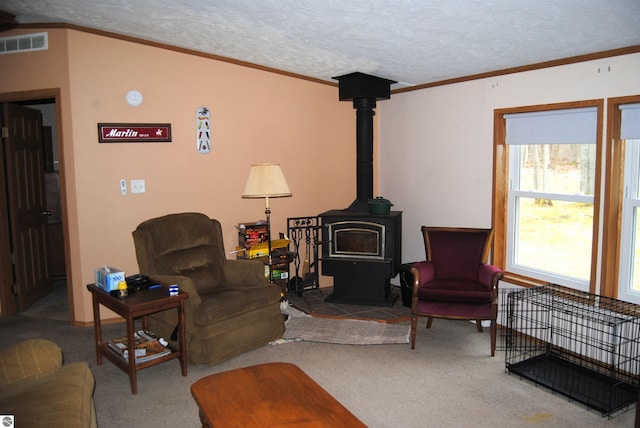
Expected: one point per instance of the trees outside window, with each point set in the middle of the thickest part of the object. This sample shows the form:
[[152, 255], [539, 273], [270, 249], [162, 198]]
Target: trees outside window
[[551, 212]]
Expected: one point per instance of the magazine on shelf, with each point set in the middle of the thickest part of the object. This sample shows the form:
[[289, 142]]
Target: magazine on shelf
[[147, 346]]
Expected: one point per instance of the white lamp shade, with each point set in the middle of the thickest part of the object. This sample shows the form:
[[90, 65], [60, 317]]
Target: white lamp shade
[[266, 180]]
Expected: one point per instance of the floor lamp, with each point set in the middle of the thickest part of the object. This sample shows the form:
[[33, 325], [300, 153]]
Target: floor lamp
[[266, 180]]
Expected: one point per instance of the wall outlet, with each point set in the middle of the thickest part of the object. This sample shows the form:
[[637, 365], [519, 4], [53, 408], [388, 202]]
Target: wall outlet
[[123, 187], [137, 186]]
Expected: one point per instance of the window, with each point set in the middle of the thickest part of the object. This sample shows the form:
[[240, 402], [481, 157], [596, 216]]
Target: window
[[551, 212], [629, 278], [545, 204]]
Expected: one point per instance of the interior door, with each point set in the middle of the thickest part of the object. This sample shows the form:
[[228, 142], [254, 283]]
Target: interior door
[[28, 214]]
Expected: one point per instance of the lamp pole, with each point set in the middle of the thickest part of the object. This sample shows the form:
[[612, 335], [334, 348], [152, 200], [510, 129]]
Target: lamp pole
[[266, 181], [267, 212]]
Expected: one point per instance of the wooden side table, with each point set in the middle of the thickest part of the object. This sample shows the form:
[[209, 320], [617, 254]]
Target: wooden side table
[[134, 306]]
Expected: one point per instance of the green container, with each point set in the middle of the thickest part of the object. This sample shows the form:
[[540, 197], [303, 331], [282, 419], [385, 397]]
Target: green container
[[379, 206]]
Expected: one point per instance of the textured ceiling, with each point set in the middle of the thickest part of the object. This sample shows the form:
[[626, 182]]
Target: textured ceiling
[[410, 41]]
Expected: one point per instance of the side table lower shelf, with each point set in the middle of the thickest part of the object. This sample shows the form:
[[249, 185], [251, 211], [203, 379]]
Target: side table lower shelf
[[138, 305], [116, 359]]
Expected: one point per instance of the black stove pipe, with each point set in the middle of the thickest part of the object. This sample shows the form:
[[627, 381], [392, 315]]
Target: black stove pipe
[[364, 152], [364, 90]]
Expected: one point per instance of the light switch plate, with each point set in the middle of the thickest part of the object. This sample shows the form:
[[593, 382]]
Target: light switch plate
[[137, 186]]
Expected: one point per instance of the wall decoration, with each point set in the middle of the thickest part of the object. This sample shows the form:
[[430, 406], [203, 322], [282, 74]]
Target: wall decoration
[[134, 132], [203, 130], [134, 98]]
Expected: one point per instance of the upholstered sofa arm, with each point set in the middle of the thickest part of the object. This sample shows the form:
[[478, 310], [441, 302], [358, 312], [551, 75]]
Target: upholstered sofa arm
[[62, 398], [29, 361], [242, 273], [489, 275], [184, 284]]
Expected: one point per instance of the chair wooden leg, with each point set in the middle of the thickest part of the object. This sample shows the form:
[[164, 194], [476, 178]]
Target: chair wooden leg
[[479, 325], [414, 327], [493, 337], [429, 321]]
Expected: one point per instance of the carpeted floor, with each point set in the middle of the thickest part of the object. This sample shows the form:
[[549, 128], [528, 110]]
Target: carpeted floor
[[449, 380], [53, 306]]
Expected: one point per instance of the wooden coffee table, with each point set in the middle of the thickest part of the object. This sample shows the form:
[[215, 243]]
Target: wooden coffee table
[[268, 395]]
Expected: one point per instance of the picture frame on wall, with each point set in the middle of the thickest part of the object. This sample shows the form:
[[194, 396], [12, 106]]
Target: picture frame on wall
[[134, 132]]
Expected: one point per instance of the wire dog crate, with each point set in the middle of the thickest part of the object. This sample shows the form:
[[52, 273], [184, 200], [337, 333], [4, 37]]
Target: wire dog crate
[[578, 344]]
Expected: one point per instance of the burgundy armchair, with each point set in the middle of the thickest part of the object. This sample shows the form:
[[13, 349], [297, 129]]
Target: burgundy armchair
[[455, 281]]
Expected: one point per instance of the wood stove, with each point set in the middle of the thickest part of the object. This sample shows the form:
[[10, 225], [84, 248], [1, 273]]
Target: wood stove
[[362, 251]]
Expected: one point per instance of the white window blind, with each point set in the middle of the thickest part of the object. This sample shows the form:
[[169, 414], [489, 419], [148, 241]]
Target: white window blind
[[567, 126], [630, 127]]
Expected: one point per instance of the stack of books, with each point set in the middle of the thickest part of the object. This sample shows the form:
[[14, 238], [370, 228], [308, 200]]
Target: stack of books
[[147, 346]]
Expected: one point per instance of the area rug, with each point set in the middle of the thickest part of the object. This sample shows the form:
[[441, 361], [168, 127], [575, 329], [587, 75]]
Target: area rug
[[345, 331]]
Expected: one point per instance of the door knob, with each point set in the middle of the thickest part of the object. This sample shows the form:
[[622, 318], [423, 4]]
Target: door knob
[[46, 213]]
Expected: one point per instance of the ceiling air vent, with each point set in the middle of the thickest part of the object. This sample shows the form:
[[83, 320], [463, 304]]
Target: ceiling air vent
[[24, 43]]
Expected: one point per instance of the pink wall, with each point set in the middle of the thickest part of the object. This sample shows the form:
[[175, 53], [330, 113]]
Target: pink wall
[[257, 116]]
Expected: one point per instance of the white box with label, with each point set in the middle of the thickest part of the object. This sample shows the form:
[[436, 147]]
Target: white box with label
[[108, 277]]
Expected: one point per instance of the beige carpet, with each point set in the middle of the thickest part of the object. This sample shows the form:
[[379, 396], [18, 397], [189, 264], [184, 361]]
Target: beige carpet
[[345, 331], [449, 380], [53, 306]]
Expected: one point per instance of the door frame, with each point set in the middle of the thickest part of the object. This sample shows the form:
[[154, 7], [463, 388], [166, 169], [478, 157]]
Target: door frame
[[7, 298]]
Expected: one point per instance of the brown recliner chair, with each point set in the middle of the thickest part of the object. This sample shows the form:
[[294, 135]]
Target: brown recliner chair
[[231, 309], [455, 281]]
